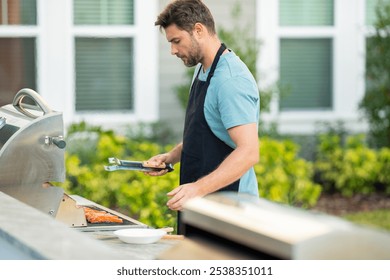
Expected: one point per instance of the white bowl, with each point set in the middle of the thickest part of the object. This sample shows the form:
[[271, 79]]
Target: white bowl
[[140, 235]]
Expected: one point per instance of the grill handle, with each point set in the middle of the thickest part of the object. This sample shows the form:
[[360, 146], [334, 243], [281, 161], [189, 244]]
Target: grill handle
[[26, 92]]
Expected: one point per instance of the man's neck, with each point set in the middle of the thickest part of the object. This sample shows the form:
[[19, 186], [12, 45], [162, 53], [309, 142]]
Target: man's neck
[[210, 51]]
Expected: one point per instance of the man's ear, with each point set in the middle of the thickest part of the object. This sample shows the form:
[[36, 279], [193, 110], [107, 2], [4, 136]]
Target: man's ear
[[199, 30]]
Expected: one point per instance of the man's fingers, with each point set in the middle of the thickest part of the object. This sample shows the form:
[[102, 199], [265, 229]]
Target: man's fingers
[[176, 202], [174, 191], [155, 173], [154, 163]]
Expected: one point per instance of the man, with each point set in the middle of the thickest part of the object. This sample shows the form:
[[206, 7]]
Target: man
[[220, 140]]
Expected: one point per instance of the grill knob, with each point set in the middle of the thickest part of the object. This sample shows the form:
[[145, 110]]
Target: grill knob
[[56, 140], [59, 142]]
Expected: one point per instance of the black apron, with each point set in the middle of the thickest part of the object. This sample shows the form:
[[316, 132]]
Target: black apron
[[202, 151]]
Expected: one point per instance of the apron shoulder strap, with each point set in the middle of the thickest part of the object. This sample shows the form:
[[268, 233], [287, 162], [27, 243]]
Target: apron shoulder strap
[[221, 49]]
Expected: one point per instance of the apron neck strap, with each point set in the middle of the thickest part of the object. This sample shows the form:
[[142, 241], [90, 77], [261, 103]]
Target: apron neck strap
[[221, 49]]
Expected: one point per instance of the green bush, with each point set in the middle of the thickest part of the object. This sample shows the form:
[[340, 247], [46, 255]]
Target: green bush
[[283, 176], [352, 168], [384, 168]]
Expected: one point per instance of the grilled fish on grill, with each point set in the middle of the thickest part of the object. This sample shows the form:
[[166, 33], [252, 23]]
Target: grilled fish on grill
[[98, 216]]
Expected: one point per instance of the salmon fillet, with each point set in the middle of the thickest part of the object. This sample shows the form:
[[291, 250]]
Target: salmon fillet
[[98, 216]]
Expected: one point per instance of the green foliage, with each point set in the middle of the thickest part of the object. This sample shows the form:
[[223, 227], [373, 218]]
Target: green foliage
[[283, 177], [351, 168], [376, 102], [242, 42], [130, 192]]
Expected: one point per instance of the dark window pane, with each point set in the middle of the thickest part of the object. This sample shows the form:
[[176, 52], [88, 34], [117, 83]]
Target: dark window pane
[[103, 12], [104, 74], [17, 67], [306, 12], [306, 72], [18, 12]]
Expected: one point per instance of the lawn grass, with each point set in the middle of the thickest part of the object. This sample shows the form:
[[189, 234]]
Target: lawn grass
[[376, 218]]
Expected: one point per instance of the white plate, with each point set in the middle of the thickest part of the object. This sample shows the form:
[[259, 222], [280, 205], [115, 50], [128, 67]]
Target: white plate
[[140, 235]]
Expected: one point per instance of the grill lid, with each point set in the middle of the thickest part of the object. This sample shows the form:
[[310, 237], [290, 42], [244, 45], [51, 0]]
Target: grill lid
[[29, 152]]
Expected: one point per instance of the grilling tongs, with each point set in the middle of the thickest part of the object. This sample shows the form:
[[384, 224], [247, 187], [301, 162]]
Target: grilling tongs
[[117, 164]]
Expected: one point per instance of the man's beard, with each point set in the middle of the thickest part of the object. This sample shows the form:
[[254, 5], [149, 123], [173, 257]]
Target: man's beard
[[194, 55]]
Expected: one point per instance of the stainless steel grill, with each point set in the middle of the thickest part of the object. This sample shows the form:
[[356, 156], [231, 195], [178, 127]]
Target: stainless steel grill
[[32, 156], [231, 226]]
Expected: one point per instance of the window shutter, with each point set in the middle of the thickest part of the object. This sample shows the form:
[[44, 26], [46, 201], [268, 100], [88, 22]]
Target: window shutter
[[103, 12], [104, 74], [306, 13], [306, 73]]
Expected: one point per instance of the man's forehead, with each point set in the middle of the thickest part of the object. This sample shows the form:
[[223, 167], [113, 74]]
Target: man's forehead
[[173, 32]]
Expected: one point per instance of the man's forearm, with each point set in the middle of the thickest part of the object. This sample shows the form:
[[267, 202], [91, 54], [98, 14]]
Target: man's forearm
[[230, 170], [174, 155]]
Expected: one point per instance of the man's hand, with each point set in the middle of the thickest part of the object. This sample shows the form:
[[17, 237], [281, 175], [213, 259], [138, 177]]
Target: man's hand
[[181, 194], [162, 160], [159, 161]]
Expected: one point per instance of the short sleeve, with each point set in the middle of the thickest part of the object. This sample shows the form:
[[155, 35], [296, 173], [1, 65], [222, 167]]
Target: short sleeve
[[238, 102]]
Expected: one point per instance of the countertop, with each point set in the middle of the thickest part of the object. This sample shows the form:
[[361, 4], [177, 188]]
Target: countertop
[[29, 234]]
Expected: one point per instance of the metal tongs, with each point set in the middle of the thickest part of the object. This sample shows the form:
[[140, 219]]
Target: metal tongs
[[117, 164]]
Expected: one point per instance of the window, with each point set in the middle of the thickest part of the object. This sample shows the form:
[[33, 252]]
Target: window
[[17, 53], [104, 66], [306, 73], [306, 12]]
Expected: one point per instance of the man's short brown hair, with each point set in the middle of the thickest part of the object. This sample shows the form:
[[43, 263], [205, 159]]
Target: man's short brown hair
[[185, 13]]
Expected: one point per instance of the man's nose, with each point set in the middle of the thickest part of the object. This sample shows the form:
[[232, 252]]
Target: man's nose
[[173, 50]]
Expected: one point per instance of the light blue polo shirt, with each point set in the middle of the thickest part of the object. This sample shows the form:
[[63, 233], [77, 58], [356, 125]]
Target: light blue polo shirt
[[232, 99]]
